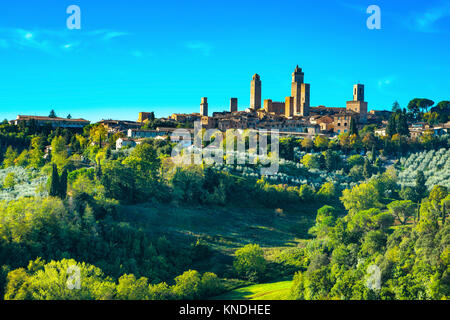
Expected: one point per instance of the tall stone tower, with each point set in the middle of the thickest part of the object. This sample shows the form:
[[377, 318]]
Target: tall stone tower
[[300, 93], [358, 104], [289, 107], [233, 105], [204, 107], [304, 104], [255, 93], [358, 92]]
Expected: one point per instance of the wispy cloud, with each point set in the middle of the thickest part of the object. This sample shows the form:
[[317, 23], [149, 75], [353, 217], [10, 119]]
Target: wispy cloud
[[142, 54], [54, 41], [200, 46], [426, 21], [355, 7], [385, 84]]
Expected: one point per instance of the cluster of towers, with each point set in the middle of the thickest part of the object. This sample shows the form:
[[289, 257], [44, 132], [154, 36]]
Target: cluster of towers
[[297, 104]]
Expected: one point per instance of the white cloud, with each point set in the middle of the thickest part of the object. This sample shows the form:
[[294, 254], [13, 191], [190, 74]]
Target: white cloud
[[200, 46], [426, 21], [54, 41]]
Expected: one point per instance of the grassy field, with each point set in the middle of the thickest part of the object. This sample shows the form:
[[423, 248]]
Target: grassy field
[[267, 291], [225, 229]]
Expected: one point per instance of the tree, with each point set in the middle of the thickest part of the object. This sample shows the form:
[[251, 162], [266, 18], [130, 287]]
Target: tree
[[10, 157], [188, 285], [402, 124], [249, 262], [373, 155], [407, 193], [69, 116], [395, 107], [54, 182], [353, 127], [332, 160], [325, 219], [402, 210], [307, 143], [311, 161], [367, 170], [443, 111], [51, 282], [344, 141], [418, 105], [130, 288], [420, 187], [63, 184], [327, 191], [36, 154], [361, 197], [321, 142], [52, 114], [60, 155], [10, 181], [391, 127]]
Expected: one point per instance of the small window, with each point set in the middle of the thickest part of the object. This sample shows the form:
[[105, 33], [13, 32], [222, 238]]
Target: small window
[[345, 124]]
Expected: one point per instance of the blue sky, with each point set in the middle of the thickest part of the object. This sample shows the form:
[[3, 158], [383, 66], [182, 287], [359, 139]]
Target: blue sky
[[143, 55]]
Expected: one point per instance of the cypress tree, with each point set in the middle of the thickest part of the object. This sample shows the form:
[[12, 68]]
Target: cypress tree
[[374, 154], [402, 125], [420, 188], [391, 127], [63, 185], [54, 182], [367, 170], [353, 128]]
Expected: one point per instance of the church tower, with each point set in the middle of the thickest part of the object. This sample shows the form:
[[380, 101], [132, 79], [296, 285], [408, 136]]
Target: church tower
[[358, 92], [255, 93], [358, 104]]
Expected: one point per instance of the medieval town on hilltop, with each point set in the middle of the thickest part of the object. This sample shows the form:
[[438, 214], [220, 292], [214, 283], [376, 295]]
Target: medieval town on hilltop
[[292, 117]]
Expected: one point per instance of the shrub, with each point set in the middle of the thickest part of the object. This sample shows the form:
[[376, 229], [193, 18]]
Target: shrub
[[250, 263]]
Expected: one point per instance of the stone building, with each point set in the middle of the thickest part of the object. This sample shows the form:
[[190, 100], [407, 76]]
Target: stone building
[[358, 104], [274, 107], [115, 126], [143, 116], [185, 117], [53, 122], [341, 121]]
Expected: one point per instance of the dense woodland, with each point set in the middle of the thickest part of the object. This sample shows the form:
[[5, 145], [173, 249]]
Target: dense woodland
[[377, 210]]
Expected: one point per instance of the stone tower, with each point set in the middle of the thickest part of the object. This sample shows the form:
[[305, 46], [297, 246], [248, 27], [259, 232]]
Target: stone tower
[[204, 107], [300, 93], [233, 105], [358, 92], [255, 93], [304, 104], [358, 104], [289, 107]]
